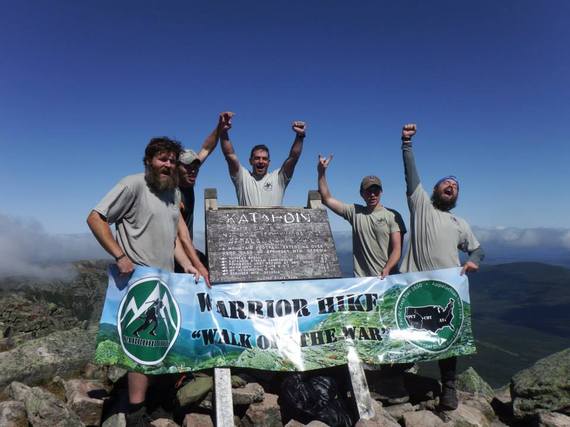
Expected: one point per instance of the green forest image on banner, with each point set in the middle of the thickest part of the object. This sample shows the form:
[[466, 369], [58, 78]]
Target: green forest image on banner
[[159, 322]]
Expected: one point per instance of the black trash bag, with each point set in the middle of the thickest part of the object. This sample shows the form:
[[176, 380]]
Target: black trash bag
[[307, 398]]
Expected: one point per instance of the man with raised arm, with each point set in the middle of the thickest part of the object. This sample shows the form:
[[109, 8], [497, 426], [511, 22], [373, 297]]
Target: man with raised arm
[[436, 237], [377, 235], [145, 209], [190, 163], [376, 230], [260, 187]]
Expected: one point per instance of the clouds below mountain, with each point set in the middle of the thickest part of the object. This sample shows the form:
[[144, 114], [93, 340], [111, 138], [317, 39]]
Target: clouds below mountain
[[507, 244], [26, 249], [525, 238]]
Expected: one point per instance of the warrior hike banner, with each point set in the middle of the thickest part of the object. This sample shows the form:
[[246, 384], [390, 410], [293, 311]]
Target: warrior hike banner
[[166, 323]]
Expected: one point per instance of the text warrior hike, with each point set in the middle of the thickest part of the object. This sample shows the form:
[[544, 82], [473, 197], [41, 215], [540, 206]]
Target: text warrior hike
[[283, 307]]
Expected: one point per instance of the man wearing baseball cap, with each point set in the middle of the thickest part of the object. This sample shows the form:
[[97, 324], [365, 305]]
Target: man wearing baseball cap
[[189, 166], [377, 236], [376, 230], [435, 238]]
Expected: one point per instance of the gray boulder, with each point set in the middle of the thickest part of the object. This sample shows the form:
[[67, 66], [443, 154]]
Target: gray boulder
[[422, 419], [62, 353], [471, 382], [381, 418], [195, 390], [263, 414], [42, 407], [197, 420], [544, 387], [85, 397], [251, 393], [553, 419], [13, 414]]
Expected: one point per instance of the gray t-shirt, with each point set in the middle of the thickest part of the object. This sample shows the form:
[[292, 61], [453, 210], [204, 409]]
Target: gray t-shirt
[[370, 237], [146, 221], [268, 191], [436, 236]]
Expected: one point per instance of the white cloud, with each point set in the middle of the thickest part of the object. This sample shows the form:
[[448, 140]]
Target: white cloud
[[565, 238], [545, 238], [27, 250]]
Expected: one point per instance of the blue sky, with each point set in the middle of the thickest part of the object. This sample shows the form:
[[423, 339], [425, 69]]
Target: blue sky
[[85, 85]]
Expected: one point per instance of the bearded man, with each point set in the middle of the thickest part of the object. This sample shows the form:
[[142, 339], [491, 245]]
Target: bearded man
[[436, 235], [145, 209]]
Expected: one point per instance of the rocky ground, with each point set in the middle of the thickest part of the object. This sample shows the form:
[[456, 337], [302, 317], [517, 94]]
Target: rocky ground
[[47, 334]]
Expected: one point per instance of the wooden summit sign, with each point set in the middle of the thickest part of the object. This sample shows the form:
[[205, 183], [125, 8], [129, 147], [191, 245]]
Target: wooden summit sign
[[256, 244]]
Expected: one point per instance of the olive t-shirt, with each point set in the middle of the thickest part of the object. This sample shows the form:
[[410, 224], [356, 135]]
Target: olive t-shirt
[[370, 237]]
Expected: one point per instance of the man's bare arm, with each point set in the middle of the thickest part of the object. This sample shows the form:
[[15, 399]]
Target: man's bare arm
[[227, 147], [183, 260], [102, 232], [396, 245], [183, 236], [290, 162], [211, 140], [328, 200]]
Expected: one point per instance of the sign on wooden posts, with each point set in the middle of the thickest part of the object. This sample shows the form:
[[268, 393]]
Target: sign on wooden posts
[[257, 244]]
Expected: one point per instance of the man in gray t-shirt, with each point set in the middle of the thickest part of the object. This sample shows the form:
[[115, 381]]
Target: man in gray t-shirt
[[376, 230], [260, 187], [145, 209], [436, 236]]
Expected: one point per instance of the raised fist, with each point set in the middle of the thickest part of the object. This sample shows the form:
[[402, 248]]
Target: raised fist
[[299, 128], [408, 131]]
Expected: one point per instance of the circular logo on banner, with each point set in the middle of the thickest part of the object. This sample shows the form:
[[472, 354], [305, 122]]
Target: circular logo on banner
[[432, 312], [148, 321]]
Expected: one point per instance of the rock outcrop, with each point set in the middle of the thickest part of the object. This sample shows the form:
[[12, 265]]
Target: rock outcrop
[[543, 388], [61, 353]]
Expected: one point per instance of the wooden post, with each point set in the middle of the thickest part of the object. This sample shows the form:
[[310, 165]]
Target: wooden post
[[222, 376], [355, 368]]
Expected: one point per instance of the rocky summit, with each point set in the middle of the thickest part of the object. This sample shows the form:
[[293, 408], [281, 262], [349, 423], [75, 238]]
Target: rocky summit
[[47, 340]]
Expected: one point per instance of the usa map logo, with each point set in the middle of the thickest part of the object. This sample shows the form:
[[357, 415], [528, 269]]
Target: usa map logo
[[431, 313]]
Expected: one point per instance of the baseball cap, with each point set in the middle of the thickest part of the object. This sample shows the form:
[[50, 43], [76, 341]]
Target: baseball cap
[[188, 156], [369, 181]]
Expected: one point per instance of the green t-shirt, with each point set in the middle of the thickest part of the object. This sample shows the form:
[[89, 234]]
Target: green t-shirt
[[370, 237]]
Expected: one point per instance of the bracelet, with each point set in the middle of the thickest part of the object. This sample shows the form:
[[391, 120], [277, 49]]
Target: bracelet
[[117, 258]]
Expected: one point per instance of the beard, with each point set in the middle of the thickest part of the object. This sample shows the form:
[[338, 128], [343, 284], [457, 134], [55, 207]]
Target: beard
[[159, 182], [442, 204]]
